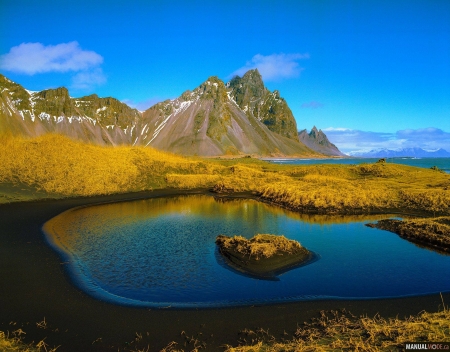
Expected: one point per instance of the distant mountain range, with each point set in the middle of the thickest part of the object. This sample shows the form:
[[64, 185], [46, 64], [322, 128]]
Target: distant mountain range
[[239, 117], [399, 153]]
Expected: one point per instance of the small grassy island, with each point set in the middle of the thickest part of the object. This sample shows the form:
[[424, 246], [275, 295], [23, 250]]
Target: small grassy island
[[262, 255], [433, 233]]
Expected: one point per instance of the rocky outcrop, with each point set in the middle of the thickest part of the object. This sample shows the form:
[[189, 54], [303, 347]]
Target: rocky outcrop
[[259, 103], [318, 141]]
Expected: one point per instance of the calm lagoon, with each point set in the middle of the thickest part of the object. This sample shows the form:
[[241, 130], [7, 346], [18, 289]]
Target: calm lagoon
[[161, 252]]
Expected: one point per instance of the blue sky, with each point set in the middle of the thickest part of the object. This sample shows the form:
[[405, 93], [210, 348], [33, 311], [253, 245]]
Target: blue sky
[[363, 71]]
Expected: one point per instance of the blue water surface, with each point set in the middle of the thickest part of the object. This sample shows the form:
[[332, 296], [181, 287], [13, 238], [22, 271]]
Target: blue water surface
[[441, 163], [161, 252]]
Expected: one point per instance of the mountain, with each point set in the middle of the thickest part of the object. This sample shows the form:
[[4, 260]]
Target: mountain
[[90, 118], [259, 103], [318, 141], [405, 152], [207, 121]]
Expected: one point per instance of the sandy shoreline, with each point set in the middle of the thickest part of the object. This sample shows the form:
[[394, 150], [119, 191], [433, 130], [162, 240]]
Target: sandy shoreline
[[35, 285]]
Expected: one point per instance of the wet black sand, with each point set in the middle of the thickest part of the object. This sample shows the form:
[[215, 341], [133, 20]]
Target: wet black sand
[[34, 286]]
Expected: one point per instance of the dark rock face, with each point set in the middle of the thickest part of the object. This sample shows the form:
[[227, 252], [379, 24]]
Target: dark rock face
[[259, 103], [318, 141]]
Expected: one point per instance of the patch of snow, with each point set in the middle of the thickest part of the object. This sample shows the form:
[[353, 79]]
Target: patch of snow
[[135, 140], [230, 98], [44, 116], [143, 129], [31, 92], [182, 107], [59, 119], [101, 109], [216, 85]]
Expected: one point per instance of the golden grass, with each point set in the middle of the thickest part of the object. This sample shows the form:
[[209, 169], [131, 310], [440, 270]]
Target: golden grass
[[341, 331], [58, 166], [14, 343], [259, 246], [431, 232]]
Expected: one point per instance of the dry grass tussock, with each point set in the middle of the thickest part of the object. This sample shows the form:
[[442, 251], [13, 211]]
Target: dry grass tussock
[[13, 343], [341, 331], [259, 246]]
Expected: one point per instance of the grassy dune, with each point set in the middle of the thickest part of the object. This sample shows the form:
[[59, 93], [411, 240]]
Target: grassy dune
[[56, 166]]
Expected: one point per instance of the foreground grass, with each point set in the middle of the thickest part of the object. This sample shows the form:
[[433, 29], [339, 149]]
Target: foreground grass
[[56, 166], [332, 331], [14, 343], [340, 331]]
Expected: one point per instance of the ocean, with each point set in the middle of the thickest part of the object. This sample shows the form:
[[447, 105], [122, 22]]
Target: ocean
[[441, 163]]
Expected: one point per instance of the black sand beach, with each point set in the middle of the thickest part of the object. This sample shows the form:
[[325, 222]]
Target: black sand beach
[[34, 286]]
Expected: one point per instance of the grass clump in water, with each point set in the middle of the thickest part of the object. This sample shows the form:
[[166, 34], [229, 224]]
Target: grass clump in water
[[262, 255], [259, 246], [433, 233]]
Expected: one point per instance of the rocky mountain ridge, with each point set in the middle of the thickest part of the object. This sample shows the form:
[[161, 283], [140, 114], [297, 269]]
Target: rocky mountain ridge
[[318, 141], [240, 117]]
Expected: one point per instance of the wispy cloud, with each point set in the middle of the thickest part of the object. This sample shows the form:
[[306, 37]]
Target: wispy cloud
[[348, 140], [274, 67], [32, 58], [312, 105], [144, 104], [87, 79]]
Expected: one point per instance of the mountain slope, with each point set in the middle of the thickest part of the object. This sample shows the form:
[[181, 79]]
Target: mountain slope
[[88, 118], [318, 141], [207, 121], [259, 103]]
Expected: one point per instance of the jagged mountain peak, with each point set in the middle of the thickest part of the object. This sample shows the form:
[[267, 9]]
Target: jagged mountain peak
[[259, 103], [318, 141]]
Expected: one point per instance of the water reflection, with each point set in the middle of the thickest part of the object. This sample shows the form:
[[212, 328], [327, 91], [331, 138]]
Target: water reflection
[[161, 251]]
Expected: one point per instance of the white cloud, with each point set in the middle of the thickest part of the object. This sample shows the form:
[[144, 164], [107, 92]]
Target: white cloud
[[88, 79], [32, 58], [348, 140], [275, 66]]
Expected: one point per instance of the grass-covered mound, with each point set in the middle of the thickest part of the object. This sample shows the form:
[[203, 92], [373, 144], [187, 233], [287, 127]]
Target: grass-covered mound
[[262, 255], [433, 233]]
